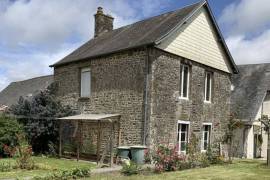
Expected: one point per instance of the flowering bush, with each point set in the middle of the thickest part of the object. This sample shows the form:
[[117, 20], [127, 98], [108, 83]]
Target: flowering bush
[[167, 158], [22, 152]]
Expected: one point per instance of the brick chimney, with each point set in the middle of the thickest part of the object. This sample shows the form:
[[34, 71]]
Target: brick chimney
[[103, 23]]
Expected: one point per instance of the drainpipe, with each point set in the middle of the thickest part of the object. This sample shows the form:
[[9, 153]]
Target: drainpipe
[[146, 95]]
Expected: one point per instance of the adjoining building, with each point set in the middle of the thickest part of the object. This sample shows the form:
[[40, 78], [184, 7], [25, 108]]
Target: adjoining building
[[250, 100], [26, 89]]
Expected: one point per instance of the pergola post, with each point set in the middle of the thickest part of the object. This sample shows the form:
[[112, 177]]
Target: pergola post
[[79, 137], [119, 132], [98, 141], [60, 139], [111, 143]]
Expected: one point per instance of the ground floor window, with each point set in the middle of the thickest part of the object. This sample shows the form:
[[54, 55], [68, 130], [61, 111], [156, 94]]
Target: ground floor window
[[182, 138], [206, 136]]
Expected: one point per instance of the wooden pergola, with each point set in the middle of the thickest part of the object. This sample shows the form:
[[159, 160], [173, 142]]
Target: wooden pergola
[[113, 119]]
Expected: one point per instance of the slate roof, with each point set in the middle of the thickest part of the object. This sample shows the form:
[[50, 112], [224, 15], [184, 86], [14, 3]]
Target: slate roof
[[27, 88], [146, 32], [250, 88]]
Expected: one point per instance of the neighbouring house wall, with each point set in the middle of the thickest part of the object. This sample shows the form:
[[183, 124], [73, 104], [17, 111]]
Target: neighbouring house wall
[[266, 105], [264, 144], [117, 86], [239, 142], [167, 109], [197, 40], [250, 143]]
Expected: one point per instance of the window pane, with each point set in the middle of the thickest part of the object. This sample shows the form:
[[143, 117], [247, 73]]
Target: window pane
[[208, 86], [183, 127], [183, 146], [205, 136], [205, 144], [85, 83], [185, 81], [183, 136]]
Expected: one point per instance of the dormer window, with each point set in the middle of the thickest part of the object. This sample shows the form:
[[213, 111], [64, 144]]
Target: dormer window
[[85, 82]]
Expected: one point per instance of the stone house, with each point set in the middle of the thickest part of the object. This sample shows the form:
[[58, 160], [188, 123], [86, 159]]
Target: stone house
[[249, 101], [167, 76]]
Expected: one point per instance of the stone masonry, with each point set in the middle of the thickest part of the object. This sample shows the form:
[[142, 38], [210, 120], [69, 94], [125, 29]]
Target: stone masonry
[[167, 108], [118, 86]]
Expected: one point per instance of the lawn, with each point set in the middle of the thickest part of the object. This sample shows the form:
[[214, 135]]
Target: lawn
[[239, 170], [46, 165]]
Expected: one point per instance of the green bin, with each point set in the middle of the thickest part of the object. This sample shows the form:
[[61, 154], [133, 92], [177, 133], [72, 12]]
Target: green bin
[[137, 154], [123, 151]]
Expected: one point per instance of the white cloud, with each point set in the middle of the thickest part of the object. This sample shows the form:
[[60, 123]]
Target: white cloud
[[247, 25], [37, 33], [250, 51], [23, 66], [246, 16]]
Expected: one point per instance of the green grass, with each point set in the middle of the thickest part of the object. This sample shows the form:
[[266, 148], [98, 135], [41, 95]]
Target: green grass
[[46, 165], [239, 170]]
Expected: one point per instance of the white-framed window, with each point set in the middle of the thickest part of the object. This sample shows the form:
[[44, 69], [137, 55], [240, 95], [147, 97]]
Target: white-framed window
[[184, 79], [183, 135], [207, 128], [85, 82], [208, 87]]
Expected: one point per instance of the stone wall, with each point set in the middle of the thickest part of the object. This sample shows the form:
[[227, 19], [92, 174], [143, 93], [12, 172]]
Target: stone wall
[[167, 108], [117, 86]]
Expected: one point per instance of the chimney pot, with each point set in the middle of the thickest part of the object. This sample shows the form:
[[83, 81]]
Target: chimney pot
[[103, 23]]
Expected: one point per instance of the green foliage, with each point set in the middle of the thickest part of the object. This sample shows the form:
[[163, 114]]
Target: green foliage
[[6, 166], [39, 118], [195, 157], [9, 127], [66, 174], [130, 168]]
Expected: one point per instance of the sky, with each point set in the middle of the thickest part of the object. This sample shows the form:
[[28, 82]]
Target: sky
[[36, 33]]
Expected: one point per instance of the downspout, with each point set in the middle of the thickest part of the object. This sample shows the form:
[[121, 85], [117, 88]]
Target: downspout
[[146, 95]]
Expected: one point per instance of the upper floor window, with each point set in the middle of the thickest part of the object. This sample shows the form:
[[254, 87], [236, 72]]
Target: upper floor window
[[85, 82], [208, 87], [206, 136], [184, 77]]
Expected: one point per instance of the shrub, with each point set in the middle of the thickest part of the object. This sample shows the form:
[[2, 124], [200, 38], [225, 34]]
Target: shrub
[[130, 168], [167, 158], [66, 174], [147, 156], [9, 127]]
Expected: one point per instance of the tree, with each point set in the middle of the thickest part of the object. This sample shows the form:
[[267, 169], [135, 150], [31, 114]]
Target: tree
[[39, 115]]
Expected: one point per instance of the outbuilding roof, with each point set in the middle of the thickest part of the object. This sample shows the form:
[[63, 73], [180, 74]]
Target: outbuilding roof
[[27, 88], [150, 31], [250, 88], [90, 117]]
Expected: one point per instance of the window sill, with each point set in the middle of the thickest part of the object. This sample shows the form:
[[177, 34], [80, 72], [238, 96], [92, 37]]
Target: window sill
[[207, 102], [183, 98], [84, 99]]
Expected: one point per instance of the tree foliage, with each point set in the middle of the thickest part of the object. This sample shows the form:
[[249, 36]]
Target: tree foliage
[[39, 115]]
